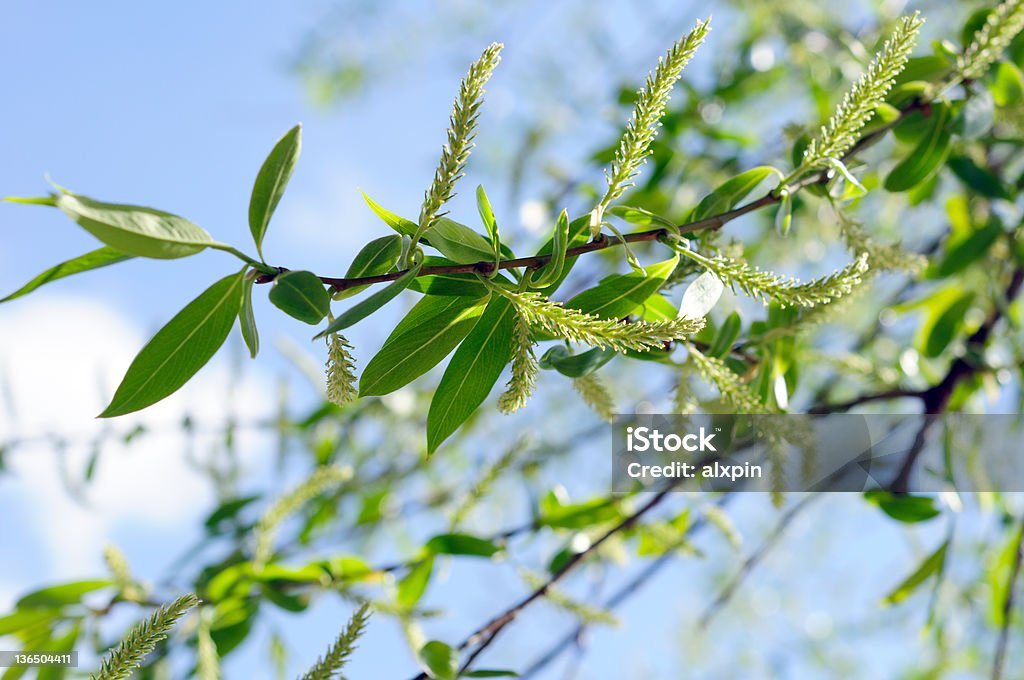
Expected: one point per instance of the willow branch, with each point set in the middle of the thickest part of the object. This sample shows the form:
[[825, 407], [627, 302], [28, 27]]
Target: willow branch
[[605, 241]]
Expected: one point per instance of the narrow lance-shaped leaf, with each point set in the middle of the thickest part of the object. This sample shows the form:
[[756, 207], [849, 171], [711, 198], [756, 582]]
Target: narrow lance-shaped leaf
[[364, 308], [576, 365], [247, 320], [301, 295], [180, 348], [472, 372], [379, 256], [271, 182], [927, 157], [136, 230], [400, 224], [728, 195], [549, 273], [428, 333], [490, 224], [641, 217], [101, 257], [461, 544], [460, 243], [932, 565], [412, 587]]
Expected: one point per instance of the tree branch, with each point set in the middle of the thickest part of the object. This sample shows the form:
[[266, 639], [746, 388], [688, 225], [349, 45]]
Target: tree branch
[[754, 559], [604, 241], [485, 635]]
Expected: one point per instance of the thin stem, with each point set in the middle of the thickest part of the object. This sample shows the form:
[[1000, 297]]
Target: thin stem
[[604, 241], [1003, 642]]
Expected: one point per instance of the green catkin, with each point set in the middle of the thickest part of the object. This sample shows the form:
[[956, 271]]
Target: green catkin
[[576, 326], [142, 639], [461, 132], [521, 385], [765, 285], [642, 128], [730, 386], [595, 395], [328, 667], [858, 105], [1001, 26], [341, 376]]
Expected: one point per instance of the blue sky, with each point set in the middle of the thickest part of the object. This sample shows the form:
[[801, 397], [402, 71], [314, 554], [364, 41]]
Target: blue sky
[[175, 105]]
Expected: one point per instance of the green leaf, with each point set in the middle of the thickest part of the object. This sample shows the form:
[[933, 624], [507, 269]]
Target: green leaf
[[379, 256], [440, 660], [490, 673], [399, 224], [966, 251], [428, 333], [27, 618], [271, 182], [301, 295], [180, 348], [555, 513], [371, 304], [472, 372], [726, 336], [641, 217], [229, 509], [286, 601], [1007, 86], [618, 295], [728, 195], [927, 157], [101, 257], [459, 243], [135, 230], [60, 595], [940, 329], [903, 507], [490, 224], [247, 320], [232, 622], [33, 200], [784, 215], [552, 271], [579, 233], [461, 544], [576, 365], [932, 565], [412, 587], [978, 178], [658, 308]]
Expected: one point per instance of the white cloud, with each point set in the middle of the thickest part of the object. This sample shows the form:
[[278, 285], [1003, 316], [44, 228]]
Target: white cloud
[[61, 358]]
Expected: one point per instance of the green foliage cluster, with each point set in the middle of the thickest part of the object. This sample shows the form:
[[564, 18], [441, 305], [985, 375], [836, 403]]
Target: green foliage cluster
[[953, 116]]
